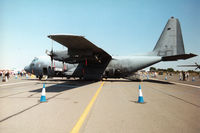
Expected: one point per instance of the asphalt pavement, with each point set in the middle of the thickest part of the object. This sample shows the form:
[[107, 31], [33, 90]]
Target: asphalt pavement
[[108, 106]]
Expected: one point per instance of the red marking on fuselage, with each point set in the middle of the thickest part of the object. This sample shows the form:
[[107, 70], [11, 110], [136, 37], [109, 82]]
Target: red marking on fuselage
[[85, 61]]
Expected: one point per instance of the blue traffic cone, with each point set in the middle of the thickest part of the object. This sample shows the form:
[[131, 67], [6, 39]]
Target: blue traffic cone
[[140, 98], [43, 96]]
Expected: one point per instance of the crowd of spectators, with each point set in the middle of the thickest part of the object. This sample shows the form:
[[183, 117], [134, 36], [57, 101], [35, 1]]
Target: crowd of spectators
[[10, 73]]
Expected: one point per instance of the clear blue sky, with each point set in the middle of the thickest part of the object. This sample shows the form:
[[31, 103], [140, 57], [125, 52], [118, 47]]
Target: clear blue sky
[[120, 27]]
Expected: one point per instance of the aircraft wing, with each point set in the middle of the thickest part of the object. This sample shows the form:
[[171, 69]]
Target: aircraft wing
[[92, 60], [79, 48]]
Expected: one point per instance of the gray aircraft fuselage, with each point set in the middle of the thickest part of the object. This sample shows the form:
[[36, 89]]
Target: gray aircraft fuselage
[[119, 66], [127, 65]]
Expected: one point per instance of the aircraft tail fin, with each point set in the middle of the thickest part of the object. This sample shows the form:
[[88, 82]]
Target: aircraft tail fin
[[170, 44]]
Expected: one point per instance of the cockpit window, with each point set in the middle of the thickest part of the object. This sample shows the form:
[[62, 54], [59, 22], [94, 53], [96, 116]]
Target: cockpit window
[[35, 60], [32, 64]]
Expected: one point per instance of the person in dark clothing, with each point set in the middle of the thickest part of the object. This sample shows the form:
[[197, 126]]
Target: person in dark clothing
[[7, 75], [183, 73]]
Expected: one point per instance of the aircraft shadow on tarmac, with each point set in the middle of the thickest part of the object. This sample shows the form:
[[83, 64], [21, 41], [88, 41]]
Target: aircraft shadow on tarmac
[[157, 81], [50, 80], [72, 84], [59, 87], [146, 80], [119, 80]]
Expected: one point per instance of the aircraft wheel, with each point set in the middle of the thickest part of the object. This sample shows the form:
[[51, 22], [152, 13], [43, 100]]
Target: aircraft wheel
[[40, 77]]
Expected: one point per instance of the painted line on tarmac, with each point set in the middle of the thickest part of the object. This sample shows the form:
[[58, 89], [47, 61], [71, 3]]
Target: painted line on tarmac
[[178, 83], [168, 94], [17, 83], [13, 94], [81, 120], [20, 112]]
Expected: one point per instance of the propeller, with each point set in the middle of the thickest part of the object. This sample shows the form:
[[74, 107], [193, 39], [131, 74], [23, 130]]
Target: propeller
[[51, 54], [63, 65], [198, 66]]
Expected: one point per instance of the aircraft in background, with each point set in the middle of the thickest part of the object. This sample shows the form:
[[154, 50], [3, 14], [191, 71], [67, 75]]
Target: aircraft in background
[[196, 65], [93, 63]]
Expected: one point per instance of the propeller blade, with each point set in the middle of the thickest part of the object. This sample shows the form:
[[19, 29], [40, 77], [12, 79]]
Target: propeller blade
[[51, 63], [47, 52], [51, 54], [63, 66]]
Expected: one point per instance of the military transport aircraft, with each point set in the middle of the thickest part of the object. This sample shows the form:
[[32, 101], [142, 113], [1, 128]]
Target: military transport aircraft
[[93, 63], [196, 65]]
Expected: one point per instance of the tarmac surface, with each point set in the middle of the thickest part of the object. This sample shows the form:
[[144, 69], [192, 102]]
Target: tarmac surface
[[108, 106]]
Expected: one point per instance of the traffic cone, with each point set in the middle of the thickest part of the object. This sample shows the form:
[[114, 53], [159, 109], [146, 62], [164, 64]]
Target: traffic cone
[[15, 76], [43, 96], [165, 77], [140, 98]]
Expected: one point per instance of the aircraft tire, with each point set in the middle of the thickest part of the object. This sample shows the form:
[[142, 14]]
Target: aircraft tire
[[40, 77]]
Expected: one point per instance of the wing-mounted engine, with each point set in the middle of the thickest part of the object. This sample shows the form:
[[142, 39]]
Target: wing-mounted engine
[[76, 56], [92, 59], [79, 50], [58, 55], [80, 56]]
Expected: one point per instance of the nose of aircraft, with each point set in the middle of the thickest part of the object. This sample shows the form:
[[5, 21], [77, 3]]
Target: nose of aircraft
[[27, 69]]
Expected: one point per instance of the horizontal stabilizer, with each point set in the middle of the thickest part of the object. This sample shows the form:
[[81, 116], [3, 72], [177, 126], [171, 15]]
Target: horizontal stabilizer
[[178, 57]]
